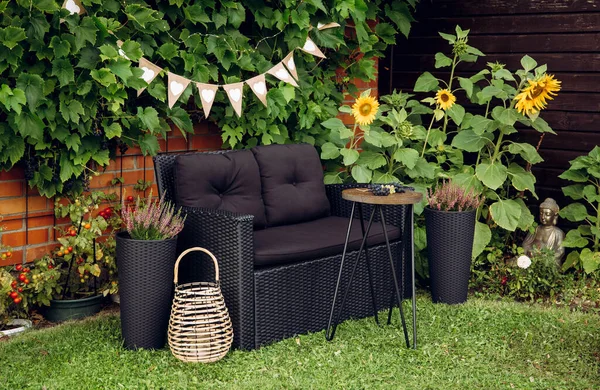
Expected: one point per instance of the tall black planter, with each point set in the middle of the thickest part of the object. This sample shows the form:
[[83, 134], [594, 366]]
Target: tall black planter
[[145, 289], [449, 248]]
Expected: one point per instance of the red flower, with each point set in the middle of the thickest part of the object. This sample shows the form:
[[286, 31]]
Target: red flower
[[504, 280]]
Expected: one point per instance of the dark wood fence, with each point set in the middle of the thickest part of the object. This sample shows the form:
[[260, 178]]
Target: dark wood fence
[[564, 34]]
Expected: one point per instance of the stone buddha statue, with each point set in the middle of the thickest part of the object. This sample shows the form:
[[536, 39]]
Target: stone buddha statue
[[547, 234]]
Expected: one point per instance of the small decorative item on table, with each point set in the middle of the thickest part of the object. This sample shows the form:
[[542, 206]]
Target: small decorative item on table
[[388, 189]]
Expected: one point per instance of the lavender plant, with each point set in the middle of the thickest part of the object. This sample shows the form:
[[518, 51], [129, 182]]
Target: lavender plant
[[450, 196], [152, 220]]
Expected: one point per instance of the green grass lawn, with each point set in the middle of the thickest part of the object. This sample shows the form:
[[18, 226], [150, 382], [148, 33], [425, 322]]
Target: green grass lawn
[[479, 345]]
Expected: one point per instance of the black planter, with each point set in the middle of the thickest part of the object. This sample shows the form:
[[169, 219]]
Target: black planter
[[71, 309], [449, 248], [145, 289]]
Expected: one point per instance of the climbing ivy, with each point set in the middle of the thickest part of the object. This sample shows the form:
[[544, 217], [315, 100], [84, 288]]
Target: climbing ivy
[[68, 98]]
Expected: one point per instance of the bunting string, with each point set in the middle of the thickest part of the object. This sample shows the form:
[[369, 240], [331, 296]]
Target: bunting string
[[285, 71]]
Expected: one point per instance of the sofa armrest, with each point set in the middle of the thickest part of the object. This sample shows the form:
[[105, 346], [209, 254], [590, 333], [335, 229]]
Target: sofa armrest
[[229, 236]]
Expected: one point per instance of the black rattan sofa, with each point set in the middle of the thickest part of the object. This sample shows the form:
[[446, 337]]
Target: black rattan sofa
[[278, 233]]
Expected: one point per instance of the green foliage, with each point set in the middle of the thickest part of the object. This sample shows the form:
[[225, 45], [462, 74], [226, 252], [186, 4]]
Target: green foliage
[[68, 97], [585, 172], [496, 272], [81, 250], [419, 142]]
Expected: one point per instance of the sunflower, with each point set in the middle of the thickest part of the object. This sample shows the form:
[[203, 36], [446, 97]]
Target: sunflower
[[445, 99], [364, 110], [534, 96]]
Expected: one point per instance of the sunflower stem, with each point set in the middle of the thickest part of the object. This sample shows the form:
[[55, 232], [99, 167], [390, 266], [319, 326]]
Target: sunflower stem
[[427, 136]]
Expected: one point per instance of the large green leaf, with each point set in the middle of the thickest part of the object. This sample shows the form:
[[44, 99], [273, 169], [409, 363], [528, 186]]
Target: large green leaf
[[492, 174], [589, 260], [468, 181], [422, 169], [372, 160], [521, 179], [528, 63], [574, 191], [71, 111], [30, 126], [576, 175], [575, 212], [457, 113], [12, 99], [149, 118], [527, 151], [527, 219], [406, 156], [574, 239], [426, 82], [33, 86], [441, 60], [482, 237], [506, 213], [506, 116], [63, 70], [350, 156], [469, 141], [361, 174], [479, 124], [329, 151]]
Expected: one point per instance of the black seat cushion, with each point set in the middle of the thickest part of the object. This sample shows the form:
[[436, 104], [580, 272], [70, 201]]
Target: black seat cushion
[[313, 240], [228, 181], [292, 183]]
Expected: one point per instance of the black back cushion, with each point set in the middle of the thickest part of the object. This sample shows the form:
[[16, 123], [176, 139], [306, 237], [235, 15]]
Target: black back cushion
[[292, 183], [228, 181]]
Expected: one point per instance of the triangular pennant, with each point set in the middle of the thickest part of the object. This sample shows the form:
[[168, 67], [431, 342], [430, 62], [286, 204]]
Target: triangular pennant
[[311, 48], [74, 7], [121, 52], [282, 74], [235, 94], [289, 63], [321, 26], [150, 72], [175, 87], [207, 96], [259, 87]]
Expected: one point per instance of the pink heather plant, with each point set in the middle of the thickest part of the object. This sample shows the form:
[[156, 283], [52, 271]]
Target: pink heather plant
[[452, 197], [152, 220]]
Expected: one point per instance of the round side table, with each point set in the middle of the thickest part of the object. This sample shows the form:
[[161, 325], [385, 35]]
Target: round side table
[[362, 196]]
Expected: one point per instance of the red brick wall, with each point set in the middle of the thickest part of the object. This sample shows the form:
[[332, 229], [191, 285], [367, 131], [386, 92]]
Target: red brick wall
[[29, 221]]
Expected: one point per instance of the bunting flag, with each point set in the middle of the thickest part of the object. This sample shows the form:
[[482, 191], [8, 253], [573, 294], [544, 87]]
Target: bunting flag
[[289, 63], [311, 48], [150, 72], [321, 26], [207, 96], [234, 92], [258, 85], [175, 86], [282, 74], [74, 7]]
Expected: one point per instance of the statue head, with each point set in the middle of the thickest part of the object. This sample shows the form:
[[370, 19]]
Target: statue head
[[549, 212]]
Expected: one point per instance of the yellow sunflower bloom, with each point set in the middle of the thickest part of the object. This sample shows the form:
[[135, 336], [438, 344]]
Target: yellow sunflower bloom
[[364, 110], [445, 99], [534, 96]]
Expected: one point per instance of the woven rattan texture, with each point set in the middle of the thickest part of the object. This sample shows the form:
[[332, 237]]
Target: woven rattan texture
[[199, 327], [449, 247], [145, 289], [230, 237], [297, 299]]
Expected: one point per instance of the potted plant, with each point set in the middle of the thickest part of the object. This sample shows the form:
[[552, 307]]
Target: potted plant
[[84, 258], [146, 254], [450, 226]]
